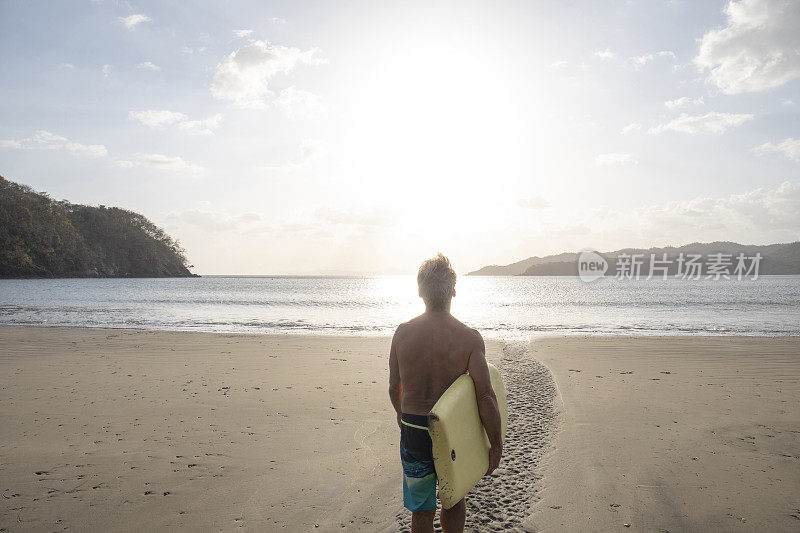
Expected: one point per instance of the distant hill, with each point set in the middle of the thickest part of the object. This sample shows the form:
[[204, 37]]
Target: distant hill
[[776, 259], [44, 238], [515, 269]]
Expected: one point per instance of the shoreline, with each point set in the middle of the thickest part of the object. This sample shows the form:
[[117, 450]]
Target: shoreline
[[502, 336]]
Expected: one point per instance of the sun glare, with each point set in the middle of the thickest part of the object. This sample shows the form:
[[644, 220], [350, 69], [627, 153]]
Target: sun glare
[[431, 118]]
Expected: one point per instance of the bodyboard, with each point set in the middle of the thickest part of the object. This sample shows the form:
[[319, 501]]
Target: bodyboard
[[460, 444]]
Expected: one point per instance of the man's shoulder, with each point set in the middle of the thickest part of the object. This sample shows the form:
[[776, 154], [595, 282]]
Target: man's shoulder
[[404, 328], [475, 337], [411, 323], [468, 331]]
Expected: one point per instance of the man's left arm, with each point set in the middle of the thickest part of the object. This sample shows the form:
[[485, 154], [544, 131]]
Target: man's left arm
[[395, 385]]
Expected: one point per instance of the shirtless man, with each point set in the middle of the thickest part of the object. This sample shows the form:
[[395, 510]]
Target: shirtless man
[[428, 353]]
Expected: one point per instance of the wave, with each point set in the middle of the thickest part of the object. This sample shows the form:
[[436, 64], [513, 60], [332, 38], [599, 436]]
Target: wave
[[500, 330]]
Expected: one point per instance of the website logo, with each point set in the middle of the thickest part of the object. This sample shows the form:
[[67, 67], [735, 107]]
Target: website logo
[[591, 266]]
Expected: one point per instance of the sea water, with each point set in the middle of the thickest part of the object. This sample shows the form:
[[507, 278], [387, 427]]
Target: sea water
[[497, 306]]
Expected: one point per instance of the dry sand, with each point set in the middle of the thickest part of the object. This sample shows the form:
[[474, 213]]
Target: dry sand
[[673, 434], [133, 430], [136, 430]]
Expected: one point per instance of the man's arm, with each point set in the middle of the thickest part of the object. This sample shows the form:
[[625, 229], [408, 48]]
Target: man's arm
[[487, 402], [395, 385]]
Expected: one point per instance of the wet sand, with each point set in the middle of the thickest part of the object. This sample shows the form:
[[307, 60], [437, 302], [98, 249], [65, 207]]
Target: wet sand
[[503, 501]]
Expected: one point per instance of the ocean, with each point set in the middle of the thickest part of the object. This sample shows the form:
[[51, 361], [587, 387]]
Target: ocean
[[499, 307]]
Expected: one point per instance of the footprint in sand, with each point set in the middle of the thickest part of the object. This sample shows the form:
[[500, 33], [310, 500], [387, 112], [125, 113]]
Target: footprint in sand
[[502, 501]]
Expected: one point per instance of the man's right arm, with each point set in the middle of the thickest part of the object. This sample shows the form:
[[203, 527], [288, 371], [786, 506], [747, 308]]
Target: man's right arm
[[487, 402], [395, 384]]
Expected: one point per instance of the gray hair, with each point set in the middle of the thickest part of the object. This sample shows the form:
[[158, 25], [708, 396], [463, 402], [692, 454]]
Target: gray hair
[[436, 280]]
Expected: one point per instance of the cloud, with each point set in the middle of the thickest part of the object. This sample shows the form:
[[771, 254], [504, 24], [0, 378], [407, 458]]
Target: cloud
[[642, 60], [763, 215], [788, 147], [630, 128], [759, 215], [380, 217], [134, 20], [106, 70], [683, 102], [307, 152], [161, 162], [759, 49], [161, 118], [605, 55], [536, 202], [45, 140], [148, 66], [708, 123], [614, 159], [242, 33], [157, 118], [66, 66], [219, 221], [201, 127], [243, 76], [191, 51], [295, 101], [558, 65]]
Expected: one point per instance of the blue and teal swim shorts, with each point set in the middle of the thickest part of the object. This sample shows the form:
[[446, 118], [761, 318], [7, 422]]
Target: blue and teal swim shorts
[[416, 455]]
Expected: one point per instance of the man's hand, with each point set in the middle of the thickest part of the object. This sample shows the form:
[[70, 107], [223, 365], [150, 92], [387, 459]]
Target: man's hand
[[399, 420], [488, 408], [494, 457]]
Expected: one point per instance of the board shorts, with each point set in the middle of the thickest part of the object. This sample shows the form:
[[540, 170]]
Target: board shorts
[[416, 455]]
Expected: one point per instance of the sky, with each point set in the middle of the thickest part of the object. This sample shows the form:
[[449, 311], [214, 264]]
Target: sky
[[363, 137]]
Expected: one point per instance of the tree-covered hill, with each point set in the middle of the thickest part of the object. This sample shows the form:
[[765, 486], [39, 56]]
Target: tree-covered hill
[[42, 237]]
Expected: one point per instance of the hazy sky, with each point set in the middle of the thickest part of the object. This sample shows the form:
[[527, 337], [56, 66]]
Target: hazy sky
[[361, 137]]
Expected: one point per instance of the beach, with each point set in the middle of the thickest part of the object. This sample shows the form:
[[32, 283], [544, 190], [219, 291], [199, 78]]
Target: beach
[[134, 430], [673, 434], [141, 430]]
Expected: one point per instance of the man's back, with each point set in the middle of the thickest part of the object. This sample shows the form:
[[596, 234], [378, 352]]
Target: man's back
[[428, 353], [432, 351]]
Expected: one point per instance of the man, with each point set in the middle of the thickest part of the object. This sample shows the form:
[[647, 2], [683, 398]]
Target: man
[[428, 353]]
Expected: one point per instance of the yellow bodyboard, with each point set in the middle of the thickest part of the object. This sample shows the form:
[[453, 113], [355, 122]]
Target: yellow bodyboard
[[460, 444]]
